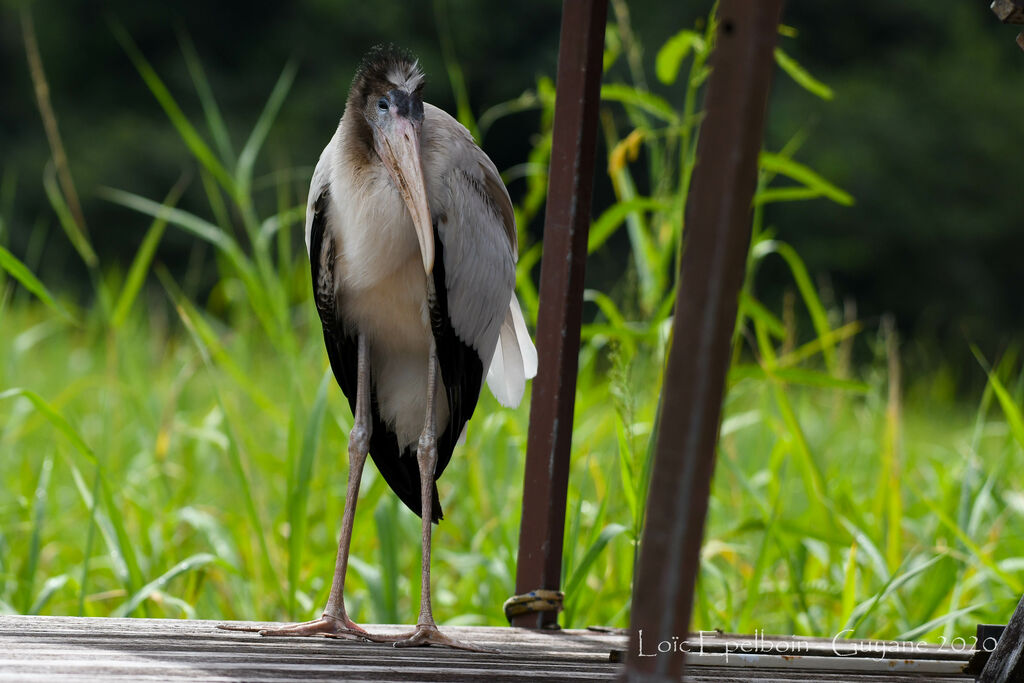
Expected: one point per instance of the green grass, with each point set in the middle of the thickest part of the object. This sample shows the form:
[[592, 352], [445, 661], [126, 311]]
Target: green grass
[[163, 455], [180, 451]]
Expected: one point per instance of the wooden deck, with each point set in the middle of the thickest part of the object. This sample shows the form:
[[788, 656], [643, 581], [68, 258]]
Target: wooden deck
[[77, 649]]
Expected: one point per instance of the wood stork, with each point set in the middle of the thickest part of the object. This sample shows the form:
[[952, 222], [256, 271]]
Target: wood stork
[[412, 245]]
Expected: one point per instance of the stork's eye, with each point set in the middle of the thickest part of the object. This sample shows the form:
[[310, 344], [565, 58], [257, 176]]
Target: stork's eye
[[382, 104]]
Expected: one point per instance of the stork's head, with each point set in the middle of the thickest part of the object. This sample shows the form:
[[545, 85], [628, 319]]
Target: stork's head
[[387, 92]]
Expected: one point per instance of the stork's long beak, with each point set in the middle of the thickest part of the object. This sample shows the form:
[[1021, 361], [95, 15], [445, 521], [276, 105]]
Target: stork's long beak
[[399, 147]]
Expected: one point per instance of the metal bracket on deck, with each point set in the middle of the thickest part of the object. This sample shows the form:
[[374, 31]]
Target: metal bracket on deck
[[987, 635]]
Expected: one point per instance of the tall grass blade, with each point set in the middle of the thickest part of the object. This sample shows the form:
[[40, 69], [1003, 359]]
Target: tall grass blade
[[617, 322], [645, 101], [72, 229], [54, 418], [371, 575], [20, 272], [214, 532], [798, 376], [463, 109], [773, 195], [925, 628], [647, 255], [28, 577], [247, 157], [188, 564], [214, 120], [91, 500], [777, 163], [892, 453], [258, 295], [802, 77], [143, 258], [814, 481], [226, 361], [818, 344], [985, 558], [90, 537], [183, 219], [120, 538], [808, 292], [216, 200], [608, 533], [754, 309], [673, 52], [528, 101], [1011, 410], [298, 495], [849, 585], [234, 452], [609, 221], [53, 137], [752, 594], [628, 478], [891, 585], [385, 519], [51, 586], [283, 219], [189, 135]]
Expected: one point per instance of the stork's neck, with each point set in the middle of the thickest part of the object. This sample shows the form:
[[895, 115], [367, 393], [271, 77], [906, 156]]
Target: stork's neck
[[374, 228], [358, 147]]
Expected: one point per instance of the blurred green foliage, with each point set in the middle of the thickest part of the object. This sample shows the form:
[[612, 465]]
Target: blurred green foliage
[[923, 129], [926, 131], [171, 447]]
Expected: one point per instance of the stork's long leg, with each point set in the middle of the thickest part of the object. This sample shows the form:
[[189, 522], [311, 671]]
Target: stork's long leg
[[335, 621], [426, 632]]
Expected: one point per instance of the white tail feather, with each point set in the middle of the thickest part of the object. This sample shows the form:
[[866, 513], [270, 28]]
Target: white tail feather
[[514, 360], [526, 348]]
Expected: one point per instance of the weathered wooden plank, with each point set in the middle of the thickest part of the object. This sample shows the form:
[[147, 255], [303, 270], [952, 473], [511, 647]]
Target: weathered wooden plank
[[73, 649], [57, 648]]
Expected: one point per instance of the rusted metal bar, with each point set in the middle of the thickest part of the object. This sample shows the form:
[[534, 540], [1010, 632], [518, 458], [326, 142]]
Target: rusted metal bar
[[718, 215], [1006, 663], [1009, 11], [566, 226]]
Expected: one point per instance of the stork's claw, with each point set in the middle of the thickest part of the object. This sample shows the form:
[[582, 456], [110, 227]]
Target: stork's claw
[[427, 634], [331, 627]]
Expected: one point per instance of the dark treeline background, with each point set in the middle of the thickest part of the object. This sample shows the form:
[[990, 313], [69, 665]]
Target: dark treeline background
[[926, 130]]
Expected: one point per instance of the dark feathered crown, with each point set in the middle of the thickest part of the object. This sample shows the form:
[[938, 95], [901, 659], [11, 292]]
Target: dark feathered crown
[[384, 67]]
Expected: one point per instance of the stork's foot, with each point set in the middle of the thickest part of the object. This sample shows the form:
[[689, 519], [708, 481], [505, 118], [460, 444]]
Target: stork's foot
[[427, 634], [331, 627]]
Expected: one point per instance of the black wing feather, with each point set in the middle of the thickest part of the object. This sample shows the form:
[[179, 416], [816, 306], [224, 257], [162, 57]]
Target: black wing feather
[[399, 469], [461, 367]]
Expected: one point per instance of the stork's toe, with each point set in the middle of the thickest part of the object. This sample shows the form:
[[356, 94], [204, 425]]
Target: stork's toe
[[331, 627], [428, 634]]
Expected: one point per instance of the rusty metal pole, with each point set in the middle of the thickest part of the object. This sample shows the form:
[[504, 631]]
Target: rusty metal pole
[[1006, 663], [566, 226], [1010, 12], [718, 216]]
